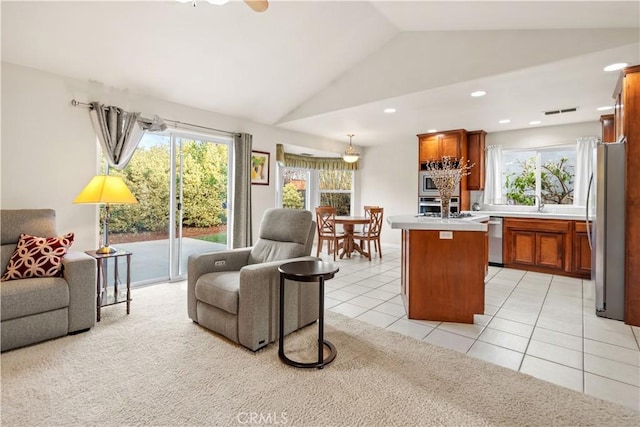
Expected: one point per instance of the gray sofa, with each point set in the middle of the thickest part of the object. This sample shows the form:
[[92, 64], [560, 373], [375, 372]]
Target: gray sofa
[[38, 309], [235, 293]]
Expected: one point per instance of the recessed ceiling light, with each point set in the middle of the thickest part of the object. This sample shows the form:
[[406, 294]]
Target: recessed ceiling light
[[389, 110], [504, 121], [535, 122], [608, 107], [615, 67], [432, 131], [478, 93]]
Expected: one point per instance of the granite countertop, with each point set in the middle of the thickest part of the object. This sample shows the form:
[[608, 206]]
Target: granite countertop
[[415, 222]]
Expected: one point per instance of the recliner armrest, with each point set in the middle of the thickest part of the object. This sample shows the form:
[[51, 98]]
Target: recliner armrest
[[210, 262], [80, 272], [265, 267], [258, 294]]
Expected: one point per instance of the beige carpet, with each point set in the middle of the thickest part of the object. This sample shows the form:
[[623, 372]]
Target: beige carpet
[[156, 367]]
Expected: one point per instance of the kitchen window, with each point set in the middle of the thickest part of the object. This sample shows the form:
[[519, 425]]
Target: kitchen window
[[546, 173]]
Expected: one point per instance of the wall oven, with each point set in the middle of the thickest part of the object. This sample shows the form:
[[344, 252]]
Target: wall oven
[[427, 188], [431, 205]]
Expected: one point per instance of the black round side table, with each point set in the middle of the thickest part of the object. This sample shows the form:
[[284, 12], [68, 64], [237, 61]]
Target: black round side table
[[308, 271]]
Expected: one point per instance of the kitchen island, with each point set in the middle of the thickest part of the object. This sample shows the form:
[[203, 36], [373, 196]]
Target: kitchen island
[[443, 266]]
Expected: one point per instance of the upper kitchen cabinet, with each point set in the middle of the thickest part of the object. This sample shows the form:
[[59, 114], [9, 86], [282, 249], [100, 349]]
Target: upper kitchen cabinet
[[475, 143], [428, 148], [627, 97], [434, 146], [608, 128]]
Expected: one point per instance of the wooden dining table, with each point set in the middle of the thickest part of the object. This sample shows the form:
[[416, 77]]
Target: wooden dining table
[[349, 245]]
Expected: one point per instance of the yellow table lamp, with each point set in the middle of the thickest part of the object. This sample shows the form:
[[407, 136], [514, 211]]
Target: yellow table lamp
[[106, 189]]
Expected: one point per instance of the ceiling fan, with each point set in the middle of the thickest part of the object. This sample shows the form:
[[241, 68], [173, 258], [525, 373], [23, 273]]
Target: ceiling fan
[[256, 5]]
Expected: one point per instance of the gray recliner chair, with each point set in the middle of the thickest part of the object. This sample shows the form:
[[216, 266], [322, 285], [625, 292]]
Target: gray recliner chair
[[235, 293], [41, 308]]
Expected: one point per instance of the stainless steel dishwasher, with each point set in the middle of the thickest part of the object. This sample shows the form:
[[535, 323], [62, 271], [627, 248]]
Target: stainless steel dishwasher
[[495, 241]]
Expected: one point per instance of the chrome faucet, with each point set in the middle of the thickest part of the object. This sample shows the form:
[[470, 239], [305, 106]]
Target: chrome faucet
[[540, 203]]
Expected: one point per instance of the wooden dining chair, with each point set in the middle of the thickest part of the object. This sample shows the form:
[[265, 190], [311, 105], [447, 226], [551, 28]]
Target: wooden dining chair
[[374, 228], [367, 214], [326, 224]]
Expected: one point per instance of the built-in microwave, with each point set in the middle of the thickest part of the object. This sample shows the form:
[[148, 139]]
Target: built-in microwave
[[427, 188]]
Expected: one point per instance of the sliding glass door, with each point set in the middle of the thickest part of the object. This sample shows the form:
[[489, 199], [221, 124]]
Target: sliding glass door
[[181, 183], [201, 197]]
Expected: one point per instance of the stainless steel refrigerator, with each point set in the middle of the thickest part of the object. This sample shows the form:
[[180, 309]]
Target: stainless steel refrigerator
[[606, 196]]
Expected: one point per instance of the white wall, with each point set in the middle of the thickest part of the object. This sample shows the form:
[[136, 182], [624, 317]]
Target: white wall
[[389, 178], [49, 151]]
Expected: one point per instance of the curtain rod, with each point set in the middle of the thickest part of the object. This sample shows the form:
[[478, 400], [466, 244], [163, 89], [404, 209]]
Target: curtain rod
[[537, 147], [175, 122]]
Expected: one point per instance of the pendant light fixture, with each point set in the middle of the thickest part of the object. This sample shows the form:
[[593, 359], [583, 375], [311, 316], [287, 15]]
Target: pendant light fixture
[[350, 154]]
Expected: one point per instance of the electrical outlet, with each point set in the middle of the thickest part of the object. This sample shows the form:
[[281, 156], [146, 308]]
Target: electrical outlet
[[220, 263], [446, 235]]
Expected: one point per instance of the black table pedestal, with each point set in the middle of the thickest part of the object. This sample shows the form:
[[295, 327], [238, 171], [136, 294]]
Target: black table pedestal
[[307, 271]]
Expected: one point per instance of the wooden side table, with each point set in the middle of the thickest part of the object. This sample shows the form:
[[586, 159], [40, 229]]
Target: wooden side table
[[308, 271], [102, 297]]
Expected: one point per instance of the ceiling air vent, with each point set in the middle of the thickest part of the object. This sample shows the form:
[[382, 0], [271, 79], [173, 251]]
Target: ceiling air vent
[[564, 110]]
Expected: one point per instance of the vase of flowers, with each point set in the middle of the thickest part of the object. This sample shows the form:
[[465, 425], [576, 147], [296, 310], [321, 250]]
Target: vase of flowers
[[446, 175], [444, 208]]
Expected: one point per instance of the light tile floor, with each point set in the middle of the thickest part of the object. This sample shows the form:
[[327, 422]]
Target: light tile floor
[[538, 324]]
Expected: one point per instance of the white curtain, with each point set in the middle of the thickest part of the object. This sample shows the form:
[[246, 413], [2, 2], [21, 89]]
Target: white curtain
[[584, 169], [493, 176], [118, 132], [241, 236]]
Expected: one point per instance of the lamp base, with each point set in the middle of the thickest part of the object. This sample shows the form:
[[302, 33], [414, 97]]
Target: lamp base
[[106, 250]]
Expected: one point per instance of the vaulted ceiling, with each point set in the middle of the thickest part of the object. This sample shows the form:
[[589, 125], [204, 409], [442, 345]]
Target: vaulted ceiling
[[330, 68]]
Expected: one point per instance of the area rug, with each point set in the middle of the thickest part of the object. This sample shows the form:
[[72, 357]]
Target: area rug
[[156, 367]]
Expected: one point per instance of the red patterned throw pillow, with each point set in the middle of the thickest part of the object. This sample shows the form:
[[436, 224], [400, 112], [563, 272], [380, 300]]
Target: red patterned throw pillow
[[37, 257]]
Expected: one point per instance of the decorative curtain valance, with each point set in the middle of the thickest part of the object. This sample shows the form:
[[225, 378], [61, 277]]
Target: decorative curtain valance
[[118, 132], [304, 162]]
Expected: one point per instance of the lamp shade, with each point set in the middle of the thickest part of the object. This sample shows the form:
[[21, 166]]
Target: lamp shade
[[106, 189]]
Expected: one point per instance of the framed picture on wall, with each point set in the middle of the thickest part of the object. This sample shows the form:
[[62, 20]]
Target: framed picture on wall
[[259, 168]]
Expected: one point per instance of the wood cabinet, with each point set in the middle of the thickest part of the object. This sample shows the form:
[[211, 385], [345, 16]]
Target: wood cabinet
[[522, 245], [456, 144], [550, 250], [475, 150], [435, 284], [608, 128], [581, 250], [451, 144], [627, 111], [434, 146], [547, 246], [429, 149], [537, 244]]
